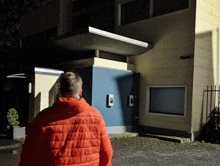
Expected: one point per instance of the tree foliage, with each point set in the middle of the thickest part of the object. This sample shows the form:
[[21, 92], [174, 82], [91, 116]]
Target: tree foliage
[[13, 117], [11, 11]]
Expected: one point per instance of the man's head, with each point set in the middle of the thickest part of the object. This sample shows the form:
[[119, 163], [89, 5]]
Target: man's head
[[71, 85]]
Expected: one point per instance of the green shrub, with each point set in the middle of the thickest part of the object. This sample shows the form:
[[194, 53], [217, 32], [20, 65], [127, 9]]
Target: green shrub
[[13, 117]]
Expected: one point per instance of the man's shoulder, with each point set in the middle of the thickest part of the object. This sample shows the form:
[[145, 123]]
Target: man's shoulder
[[44, 112], [95, 111]]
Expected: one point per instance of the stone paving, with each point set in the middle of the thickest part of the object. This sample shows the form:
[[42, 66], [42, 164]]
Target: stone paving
[[10, 144], [142, 150]]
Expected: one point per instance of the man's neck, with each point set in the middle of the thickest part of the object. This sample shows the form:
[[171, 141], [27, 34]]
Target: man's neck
[[67, 95]]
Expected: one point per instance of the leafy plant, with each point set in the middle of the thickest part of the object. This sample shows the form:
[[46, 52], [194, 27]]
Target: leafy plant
[[13, 117], [211, 130], [214, 113]]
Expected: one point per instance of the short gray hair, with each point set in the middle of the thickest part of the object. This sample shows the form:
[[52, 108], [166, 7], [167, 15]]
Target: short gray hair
[[70, 82]]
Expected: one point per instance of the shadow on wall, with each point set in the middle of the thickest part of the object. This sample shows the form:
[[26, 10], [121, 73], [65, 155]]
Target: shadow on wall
[[205, 74], [54, 92], [37, 101], [119, 117], [129, 85]]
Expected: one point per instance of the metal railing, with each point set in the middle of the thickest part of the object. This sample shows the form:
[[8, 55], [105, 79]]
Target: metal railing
[[212, 104]]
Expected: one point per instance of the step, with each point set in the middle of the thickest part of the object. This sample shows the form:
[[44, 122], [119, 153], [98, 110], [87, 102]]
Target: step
[[167, 138]]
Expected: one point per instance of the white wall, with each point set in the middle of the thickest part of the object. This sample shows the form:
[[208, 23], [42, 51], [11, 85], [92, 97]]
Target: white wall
[[206, 70], [173, 36], [45, 80]]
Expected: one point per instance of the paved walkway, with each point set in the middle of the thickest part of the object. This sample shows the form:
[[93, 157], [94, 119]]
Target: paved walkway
[[146, 151], [11, 144], [141, 150], [6, 144]]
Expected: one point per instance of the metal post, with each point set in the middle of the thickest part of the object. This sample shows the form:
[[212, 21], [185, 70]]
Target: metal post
[[203, 96], [207, 104], [210, 103], [215, 96], [218, 102], [214, 99]]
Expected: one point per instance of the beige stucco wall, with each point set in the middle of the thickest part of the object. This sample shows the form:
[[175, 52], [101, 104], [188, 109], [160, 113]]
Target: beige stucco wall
[[44, 85], [206, 61], [173, 36], [113, 64], [95, 61]]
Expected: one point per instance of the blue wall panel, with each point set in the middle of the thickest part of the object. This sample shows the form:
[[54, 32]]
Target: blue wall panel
[[121, 84], [86, 75]]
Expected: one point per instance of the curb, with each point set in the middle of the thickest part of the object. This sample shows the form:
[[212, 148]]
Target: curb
[[161, 137], [10, 147], [122, 135], [167, 138], [11, 144]]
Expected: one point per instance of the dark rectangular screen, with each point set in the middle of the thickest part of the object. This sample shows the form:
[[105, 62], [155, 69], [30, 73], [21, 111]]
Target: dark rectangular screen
[[167, 100]]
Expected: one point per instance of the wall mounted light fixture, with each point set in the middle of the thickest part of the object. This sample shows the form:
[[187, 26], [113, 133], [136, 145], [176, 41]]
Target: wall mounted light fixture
[[110, 100], [131, 100], [20, 75], [30, 87]]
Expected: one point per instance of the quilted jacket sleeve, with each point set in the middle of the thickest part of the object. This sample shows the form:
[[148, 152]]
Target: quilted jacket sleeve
[[106, 147], [30, 154]]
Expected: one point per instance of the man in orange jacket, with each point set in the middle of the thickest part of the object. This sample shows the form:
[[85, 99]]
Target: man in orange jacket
[[69, 133]]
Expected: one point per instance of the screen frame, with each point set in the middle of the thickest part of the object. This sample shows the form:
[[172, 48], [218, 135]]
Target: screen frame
[[165, 86]]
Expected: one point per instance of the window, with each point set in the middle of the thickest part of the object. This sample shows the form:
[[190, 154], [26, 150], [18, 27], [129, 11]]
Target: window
[[135, 11], [170, 100], [161, 7], [130, 11]]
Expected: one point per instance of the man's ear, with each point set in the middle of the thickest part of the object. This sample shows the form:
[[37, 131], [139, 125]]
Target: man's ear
[[80, 92]]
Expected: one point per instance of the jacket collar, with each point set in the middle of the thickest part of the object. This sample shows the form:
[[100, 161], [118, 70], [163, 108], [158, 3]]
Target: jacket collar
[[71, 105]]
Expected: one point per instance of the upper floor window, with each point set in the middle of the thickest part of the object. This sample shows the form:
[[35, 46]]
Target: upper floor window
[[161, 7], [135, 11]]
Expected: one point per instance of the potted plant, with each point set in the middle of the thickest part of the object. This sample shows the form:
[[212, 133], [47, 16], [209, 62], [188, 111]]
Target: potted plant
[[15, 131]]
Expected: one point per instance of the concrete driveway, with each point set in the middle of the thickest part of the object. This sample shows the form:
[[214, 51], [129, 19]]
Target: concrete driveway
[[146, 151], [140, 150]]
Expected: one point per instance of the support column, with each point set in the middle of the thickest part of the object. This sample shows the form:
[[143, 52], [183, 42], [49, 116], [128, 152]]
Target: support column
[[97, 53]]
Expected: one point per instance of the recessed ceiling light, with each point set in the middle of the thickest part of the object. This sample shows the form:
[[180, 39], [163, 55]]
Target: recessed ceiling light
[[13, 76], [19, 75]]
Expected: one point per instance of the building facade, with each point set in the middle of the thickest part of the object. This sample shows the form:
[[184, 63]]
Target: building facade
[[164, 53]]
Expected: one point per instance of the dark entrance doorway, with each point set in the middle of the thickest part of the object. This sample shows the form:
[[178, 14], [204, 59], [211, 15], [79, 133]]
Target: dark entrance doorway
[[15, 95]]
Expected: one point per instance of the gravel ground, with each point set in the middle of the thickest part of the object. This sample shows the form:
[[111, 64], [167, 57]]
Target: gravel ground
[[138, 151]]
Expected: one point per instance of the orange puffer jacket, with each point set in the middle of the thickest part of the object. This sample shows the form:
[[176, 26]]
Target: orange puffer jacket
[[70, 133]]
